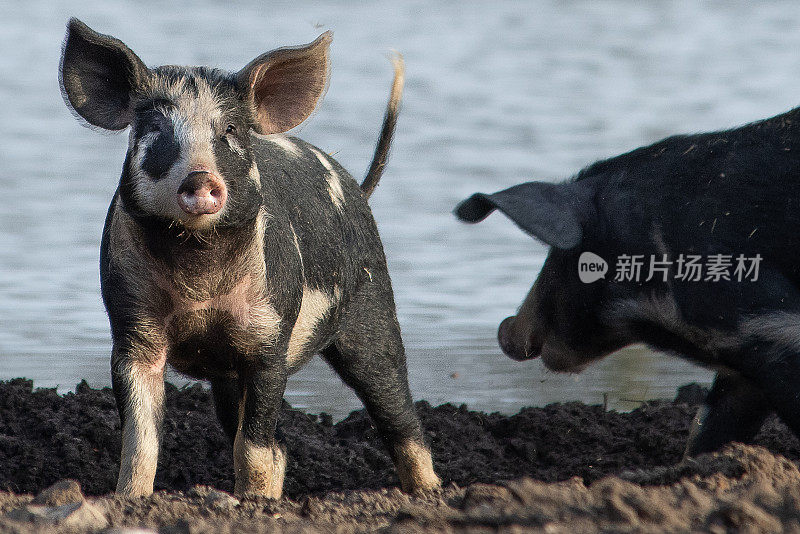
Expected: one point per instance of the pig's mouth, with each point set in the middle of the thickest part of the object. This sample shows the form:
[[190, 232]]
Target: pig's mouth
[[521, 344]]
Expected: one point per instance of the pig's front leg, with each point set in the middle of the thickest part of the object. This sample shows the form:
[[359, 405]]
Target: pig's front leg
[[733, 411], [138, 380], [226, 395], [259, 461]]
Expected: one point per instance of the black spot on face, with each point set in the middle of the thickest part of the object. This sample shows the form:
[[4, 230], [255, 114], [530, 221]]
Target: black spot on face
[[163, 150]]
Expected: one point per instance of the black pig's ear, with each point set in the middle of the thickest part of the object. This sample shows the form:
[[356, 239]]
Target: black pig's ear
[[546, 211], [99, 76], [286, 84]]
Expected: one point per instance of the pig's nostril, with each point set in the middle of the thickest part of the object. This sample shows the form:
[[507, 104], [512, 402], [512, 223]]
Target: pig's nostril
[[201, 193]]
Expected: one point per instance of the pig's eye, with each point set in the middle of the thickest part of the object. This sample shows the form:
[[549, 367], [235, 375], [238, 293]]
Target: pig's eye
[[154, 123]]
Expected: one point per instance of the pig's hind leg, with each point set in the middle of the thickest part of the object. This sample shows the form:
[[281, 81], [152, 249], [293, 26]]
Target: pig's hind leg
[[369, 357], [733, 411]]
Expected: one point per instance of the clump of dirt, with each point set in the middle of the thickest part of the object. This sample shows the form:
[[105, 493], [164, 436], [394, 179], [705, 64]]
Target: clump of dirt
[[564, 465]]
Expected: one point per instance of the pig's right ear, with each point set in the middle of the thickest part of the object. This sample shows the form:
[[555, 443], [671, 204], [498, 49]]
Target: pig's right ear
[[99, 76], [285, 85], [549, 212]]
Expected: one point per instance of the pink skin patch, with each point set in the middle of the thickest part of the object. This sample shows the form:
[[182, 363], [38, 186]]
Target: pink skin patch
[[157, 367], [202, 193], [236, 302]]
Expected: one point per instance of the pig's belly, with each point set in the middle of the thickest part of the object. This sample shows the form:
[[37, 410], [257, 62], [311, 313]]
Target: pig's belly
[[208, 344]]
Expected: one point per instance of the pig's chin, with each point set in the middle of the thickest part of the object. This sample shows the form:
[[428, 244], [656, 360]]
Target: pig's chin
[[199, 223], [563, 360]]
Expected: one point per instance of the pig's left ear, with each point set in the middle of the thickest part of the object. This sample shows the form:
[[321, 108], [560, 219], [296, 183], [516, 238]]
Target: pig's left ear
[[285, 85], [549, 212], [99, 76]]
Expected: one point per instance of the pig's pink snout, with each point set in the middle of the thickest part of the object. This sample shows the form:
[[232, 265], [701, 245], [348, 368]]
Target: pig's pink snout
[[202, 193]]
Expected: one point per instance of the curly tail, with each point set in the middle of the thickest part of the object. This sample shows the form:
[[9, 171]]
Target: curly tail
[[389, 122]]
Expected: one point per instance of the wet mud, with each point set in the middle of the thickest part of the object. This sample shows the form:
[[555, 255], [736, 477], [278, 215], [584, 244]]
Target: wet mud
[[561, 468]]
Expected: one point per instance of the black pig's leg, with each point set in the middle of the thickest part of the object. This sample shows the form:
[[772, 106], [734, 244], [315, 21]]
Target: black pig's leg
[[259, 461], [734, 411], [138, 381], [776, 369], [369, 357], [226, 402]]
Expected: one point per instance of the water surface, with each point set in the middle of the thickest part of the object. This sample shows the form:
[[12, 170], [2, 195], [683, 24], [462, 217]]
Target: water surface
[[497, 93]]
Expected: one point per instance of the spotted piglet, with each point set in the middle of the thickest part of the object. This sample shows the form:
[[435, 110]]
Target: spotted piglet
[[235, 253]]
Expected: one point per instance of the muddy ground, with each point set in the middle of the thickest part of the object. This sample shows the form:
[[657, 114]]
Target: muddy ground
[[561, 468]]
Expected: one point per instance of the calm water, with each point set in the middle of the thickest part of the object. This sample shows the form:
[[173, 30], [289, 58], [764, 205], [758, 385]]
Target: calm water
[[497, 93]]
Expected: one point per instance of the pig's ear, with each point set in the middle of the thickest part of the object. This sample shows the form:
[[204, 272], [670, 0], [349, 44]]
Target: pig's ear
[[99, 76], [546, 211], [286, 84]]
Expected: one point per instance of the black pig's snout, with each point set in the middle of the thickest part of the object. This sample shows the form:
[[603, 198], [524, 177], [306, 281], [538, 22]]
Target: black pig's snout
[[202, 193], [502, 335], [516, 347]]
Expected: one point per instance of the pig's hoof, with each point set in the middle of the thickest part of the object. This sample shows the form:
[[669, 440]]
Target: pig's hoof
[[251, 490], [415, 468], [256, 495], [130, 493], [270, 490], [259, 469], [422, 485]]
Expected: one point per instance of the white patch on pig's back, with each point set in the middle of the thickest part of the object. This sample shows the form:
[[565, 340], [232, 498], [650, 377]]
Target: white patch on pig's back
[[288, 146], [332, 177]]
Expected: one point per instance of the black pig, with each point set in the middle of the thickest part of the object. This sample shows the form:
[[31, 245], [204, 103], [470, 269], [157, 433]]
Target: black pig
[[727, 201], [235, 254]]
